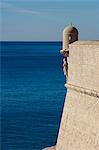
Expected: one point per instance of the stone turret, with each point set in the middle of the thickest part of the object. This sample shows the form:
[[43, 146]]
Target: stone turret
[[70, 35]]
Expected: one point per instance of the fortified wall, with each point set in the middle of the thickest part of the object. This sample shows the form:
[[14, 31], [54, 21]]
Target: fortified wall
[[79, 128]]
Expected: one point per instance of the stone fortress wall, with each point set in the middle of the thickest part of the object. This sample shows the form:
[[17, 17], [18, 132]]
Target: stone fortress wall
[[79, 129]]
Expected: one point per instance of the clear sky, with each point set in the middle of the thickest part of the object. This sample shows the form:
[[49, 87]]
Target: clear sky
[[44, 20]]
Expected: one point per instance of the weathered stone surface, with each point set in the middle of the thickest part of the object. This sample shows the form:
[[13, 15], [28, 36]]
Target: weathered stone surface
[[80, 120], [79, 129], [84, 64]]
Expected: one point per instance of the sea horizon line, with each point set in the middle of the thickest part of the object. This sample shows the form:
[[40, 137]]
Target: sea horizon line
[[29, 41]]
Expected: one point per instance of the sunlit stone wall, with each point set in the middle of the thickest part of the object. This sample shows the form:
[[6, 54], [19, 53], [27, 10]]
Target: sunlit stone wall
[[79, 129]]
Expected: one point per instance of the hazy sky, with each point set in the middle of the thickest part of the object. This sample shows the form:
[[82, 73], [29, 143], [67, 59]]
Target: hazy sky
[[44, 20]]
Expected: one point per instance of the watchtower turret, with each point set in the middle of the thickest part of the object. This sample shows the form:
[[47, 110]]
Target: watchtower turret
[[70, 35]]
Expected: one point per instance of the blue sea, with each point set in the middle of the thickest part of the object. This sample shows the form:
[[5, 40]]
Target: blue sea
[[32, 92]]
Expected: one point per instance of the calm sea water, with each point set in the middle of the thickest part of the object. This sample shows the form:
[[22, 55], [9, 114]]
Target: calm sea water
[[32, 94]]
